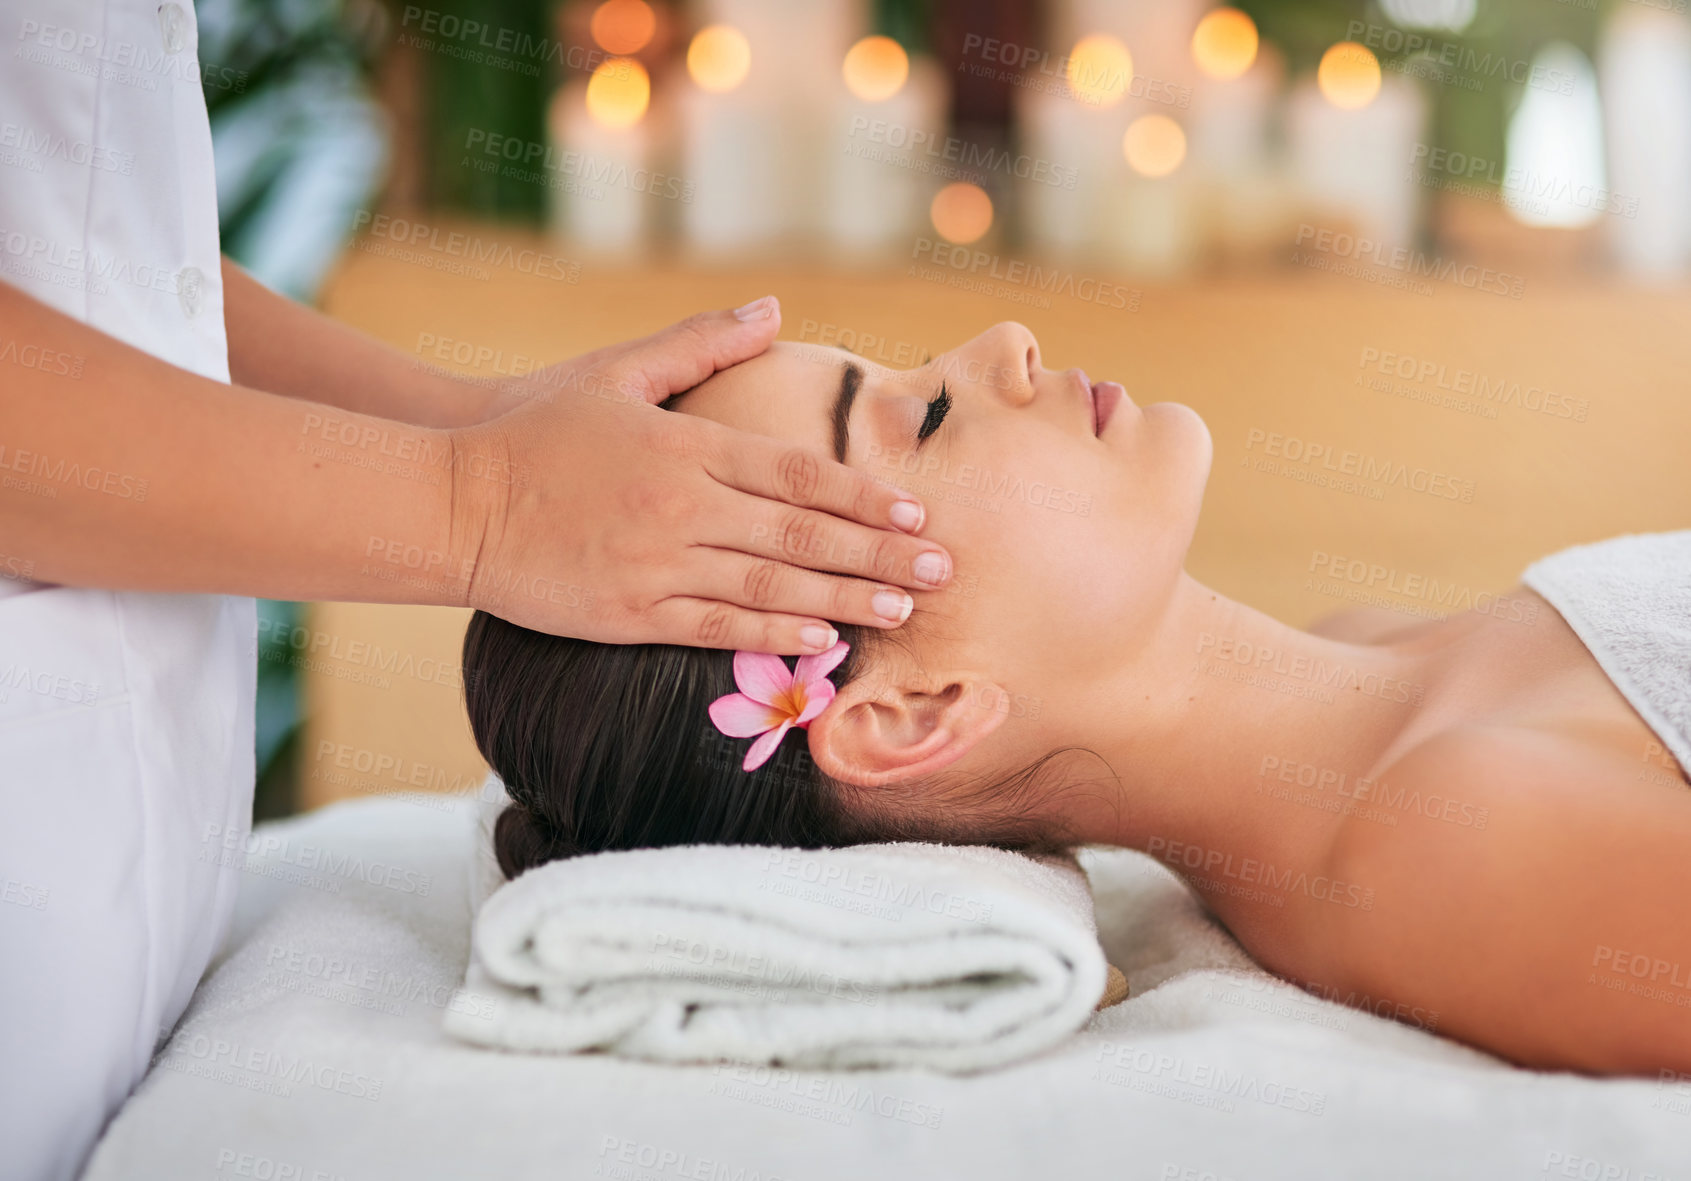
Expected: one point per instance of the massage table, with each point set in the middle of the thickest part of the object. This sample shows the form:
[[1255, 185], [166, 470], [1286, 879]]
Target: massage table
[[313, 1051]]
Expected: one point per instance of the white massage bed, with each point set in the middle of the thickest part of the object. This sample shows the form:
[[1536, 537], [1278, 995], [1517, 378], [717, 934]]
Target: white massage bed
[[313, 1052]]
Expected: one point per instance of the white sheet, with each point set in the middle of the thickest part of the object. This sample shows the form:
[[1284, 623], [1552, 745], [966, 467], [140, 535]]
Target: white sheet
[[315, 1046]]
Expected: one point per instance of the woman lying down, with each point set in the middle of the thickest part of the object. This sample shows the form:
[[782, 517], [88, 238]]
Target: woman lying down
[[1449, 814]]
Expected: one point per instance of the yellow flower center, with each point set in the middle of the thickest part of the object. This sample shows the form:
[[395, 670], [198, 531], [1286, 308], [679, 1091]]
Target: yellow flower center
[[789, 705]]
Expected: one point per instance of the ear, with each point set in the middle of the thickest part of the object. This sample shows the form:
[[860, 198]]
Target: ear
[[875, 734]]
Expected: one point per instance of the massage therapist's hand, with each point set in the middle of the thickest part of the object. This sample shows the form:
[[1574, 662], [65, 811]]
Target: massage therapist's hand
[[638, 525]]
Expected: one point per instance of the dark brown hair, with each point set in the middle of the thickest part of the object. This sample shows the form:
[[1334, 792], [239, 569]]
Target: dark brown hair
[[609, 746]]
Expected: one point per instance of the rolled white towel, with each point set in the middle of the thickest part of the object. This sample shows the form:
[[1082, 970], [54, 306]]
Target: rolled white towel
[[955, 958]]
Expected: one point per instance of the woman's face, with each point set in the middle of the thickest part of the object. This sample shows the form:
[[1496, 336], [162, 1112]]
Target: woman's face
[[1067, 541]]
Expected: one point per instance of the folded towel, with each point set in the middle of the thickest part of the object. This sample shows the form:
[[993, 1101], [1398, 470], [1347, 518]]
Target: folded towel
[[950, 957]]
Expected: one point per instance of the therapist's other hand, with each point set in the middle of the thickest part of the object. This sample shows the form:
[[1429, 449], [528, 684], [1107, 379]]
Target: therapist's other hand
[[588, 512]]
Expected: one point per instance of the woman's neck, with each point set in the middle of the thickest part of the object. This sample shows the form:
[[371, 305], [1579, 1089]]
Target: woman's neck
[[1235, 734]]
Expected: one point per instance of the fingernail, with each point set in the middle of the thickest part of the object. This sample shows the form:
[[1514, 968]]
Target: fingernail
[[891, 605], [907, 515], [931, 568], [818, 636], [757, 309]]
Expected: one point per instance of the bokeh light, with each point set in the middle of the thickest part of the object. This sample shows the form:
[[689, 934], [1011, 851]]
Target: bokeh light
[[719, 58], [1349, 75], [618, 92], [1154, 145], [961, 213], [623, 26], [875, 68], [1099, 70], [1225, 43]]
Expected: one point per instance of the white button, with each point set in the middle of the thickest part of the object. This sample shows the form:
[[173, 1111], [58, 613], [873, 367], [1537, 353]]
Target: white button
[[190, 290], [175, 27]]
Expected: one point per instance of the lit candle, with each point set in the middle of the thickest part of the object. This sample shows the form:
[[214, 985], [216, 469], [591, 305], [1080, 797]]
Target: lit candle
[[600, 128], [1074, 125], [1241, 185], [1230, 107], [1159, 33], [1352, 137], [1156, 228], [889, 137], [793, 46], [731, 139]]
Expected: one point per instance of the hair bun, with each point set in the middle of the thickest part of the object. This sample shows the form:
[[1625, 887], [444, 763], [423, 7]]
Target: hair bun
[[522, 840]]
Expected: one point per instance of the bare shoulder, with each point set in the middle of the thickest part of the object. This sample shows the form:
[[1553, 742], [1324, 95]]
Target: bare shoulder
[[1443, 806], [1377, 625], [1509, 782], [1520, 932], [1484, 821], [1499, 753]]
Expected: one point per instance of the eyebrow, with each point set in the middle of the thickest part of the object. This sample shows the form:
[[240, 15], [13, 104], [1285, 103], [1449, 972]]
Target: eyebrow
[[851, 377]]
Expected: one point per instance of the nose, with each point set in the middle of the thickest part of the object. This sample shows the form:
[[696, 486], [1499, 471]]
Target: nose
[[1014, 354]]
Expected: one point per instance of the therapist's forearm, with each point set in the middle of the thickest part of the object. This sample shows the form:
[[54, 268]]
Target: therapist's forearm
[[281, 346], [120, 470]]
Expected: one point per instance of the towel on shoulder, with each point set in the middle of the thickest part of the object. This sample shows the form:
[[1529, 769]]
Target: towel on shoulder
[[954, 958], [1628, 599]]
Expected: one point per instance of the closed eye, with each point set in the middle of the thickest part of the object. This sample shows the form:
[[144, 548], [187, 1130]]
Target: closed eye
[[937, 410]]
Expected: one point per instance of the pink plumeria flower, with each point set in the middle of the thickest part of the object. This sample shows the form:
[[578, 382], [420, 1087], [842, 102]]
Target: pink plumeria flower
[[773, 700]]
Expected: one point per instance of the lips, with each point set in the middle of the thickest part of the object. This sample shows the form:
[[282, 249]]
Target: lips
[[1106, 397]]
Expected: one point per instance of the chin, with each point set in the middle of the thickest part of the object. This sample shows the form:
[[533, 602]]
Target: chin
[[1184, 452], [1180, 441]]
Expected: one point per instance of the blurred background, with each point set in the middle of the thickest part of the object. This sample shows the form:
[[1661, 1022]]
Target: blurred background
[[1447, 237]]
